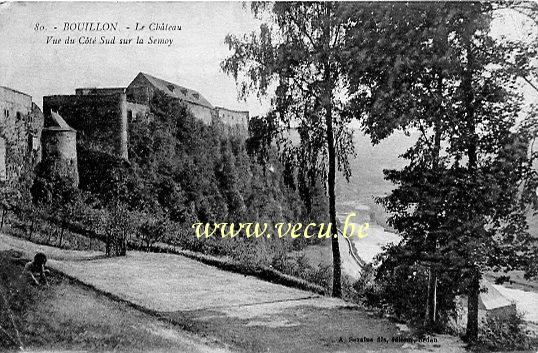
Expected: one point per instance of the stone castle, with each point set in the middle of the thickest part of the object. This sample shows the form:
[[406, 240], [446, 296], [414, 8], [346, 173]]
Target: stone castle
[[21, 124], [98, 118]]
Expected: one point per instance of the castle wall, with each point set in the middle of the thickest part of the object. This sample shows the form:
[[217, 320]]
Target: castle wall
[[200, 112], [122, 150], [100, 120], [60, 153], [36, 120], [99, 91], [101, 115], [234, 121], [139, 91], [20, 123], [137, 112]]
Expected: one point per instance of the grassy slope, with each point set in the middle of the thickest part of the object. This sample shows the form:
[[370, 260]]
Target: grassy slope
[[67, 316]]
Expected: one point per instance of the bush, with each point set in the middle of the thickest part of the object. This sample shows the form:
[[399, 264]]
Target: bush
[[299, 266], [153, 230], [506, 334], [119, 224], [400, 288]]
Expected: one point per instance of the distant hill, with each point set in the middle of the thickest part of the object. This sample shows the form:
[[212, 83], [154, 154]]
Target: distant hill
[[367, 178], [367, 167]]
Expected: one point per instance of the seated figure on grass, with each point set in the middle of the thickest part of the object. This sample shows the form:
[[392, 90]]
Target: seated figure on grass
[[37, 268]]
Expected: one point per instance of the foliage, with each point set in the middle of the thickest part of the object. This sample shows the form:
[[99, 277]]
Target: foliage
[[399, 285], [10, 198], [119, 224], [153, 230], [435, 69], [299, 52], [190, 172], [503, 334], [300, 267]]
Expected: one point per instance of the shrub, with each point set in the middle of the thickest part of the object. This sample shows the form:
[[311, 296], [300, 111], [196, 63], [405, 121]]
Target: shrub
[[119, 223], [299, 266], [153, 230], [400, 288], [506, 334]]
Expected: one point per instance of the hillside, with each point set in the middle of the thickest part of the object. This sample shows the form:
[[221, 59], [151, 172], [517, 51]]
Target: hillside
[[367, 180], [367, 167]]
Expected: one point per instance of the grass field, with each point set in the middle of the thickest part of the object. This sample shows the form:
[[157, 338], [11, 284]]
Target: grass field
[[238, 311], [68, 316]]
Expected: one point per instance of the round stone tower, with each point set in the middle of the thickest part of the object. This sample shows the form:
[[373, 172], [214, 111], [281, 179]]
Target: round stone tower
[[59, 142]]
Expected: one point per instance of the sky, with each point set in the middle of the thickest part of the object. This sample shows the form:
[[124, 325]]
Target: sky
[[30, 65]]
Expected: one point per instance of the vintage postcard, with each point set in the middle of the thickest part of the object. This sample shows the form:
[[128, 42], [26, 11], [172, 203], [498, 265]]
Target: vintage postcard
[[269, 176]]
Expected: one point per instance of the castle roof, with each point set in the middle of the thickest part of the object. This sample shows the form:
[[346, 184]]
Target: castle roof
[[56, 122], [14, 90], [176, 91], [232, 110]]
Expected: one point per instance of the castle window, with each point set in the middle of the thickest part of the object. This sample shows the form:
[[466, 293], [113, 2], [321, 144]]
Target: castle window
[[3, 170], [19, 116], [196, 95], [129, 115], [184, 91], [171, 88], [6, 113]]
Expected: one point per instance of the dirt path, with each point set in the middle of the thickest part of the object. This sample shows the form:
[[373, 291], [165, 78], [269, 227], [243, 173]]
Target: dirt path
[[242, 311]]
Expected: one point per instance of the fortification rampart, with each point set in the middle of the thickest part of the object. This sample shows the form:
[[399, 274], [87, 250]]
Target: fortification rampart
[[20, 128], [100, 120]]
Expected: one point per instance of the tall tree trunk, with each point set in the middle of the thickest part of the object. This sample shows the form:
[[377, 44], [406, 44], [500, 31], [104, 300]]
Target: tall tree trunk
[[472, 306], [474, 286], [337, 265], [108, 245], [431, 302], [3, 215], [62, 229], [51, 229], [331, 151], [31, 229]]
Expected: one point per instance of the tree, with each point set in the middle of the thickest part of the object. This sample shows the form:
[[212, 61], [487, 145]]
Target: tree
[[153, 230], [299, 51], [399, 80], [9, 199], [494, 223], [227, 178], [442, 74], [261, 131]]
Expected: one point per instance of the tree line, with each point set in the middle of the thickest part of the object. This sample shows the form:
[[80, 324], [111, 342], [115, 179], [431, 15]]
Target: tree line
[[461, 202]]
